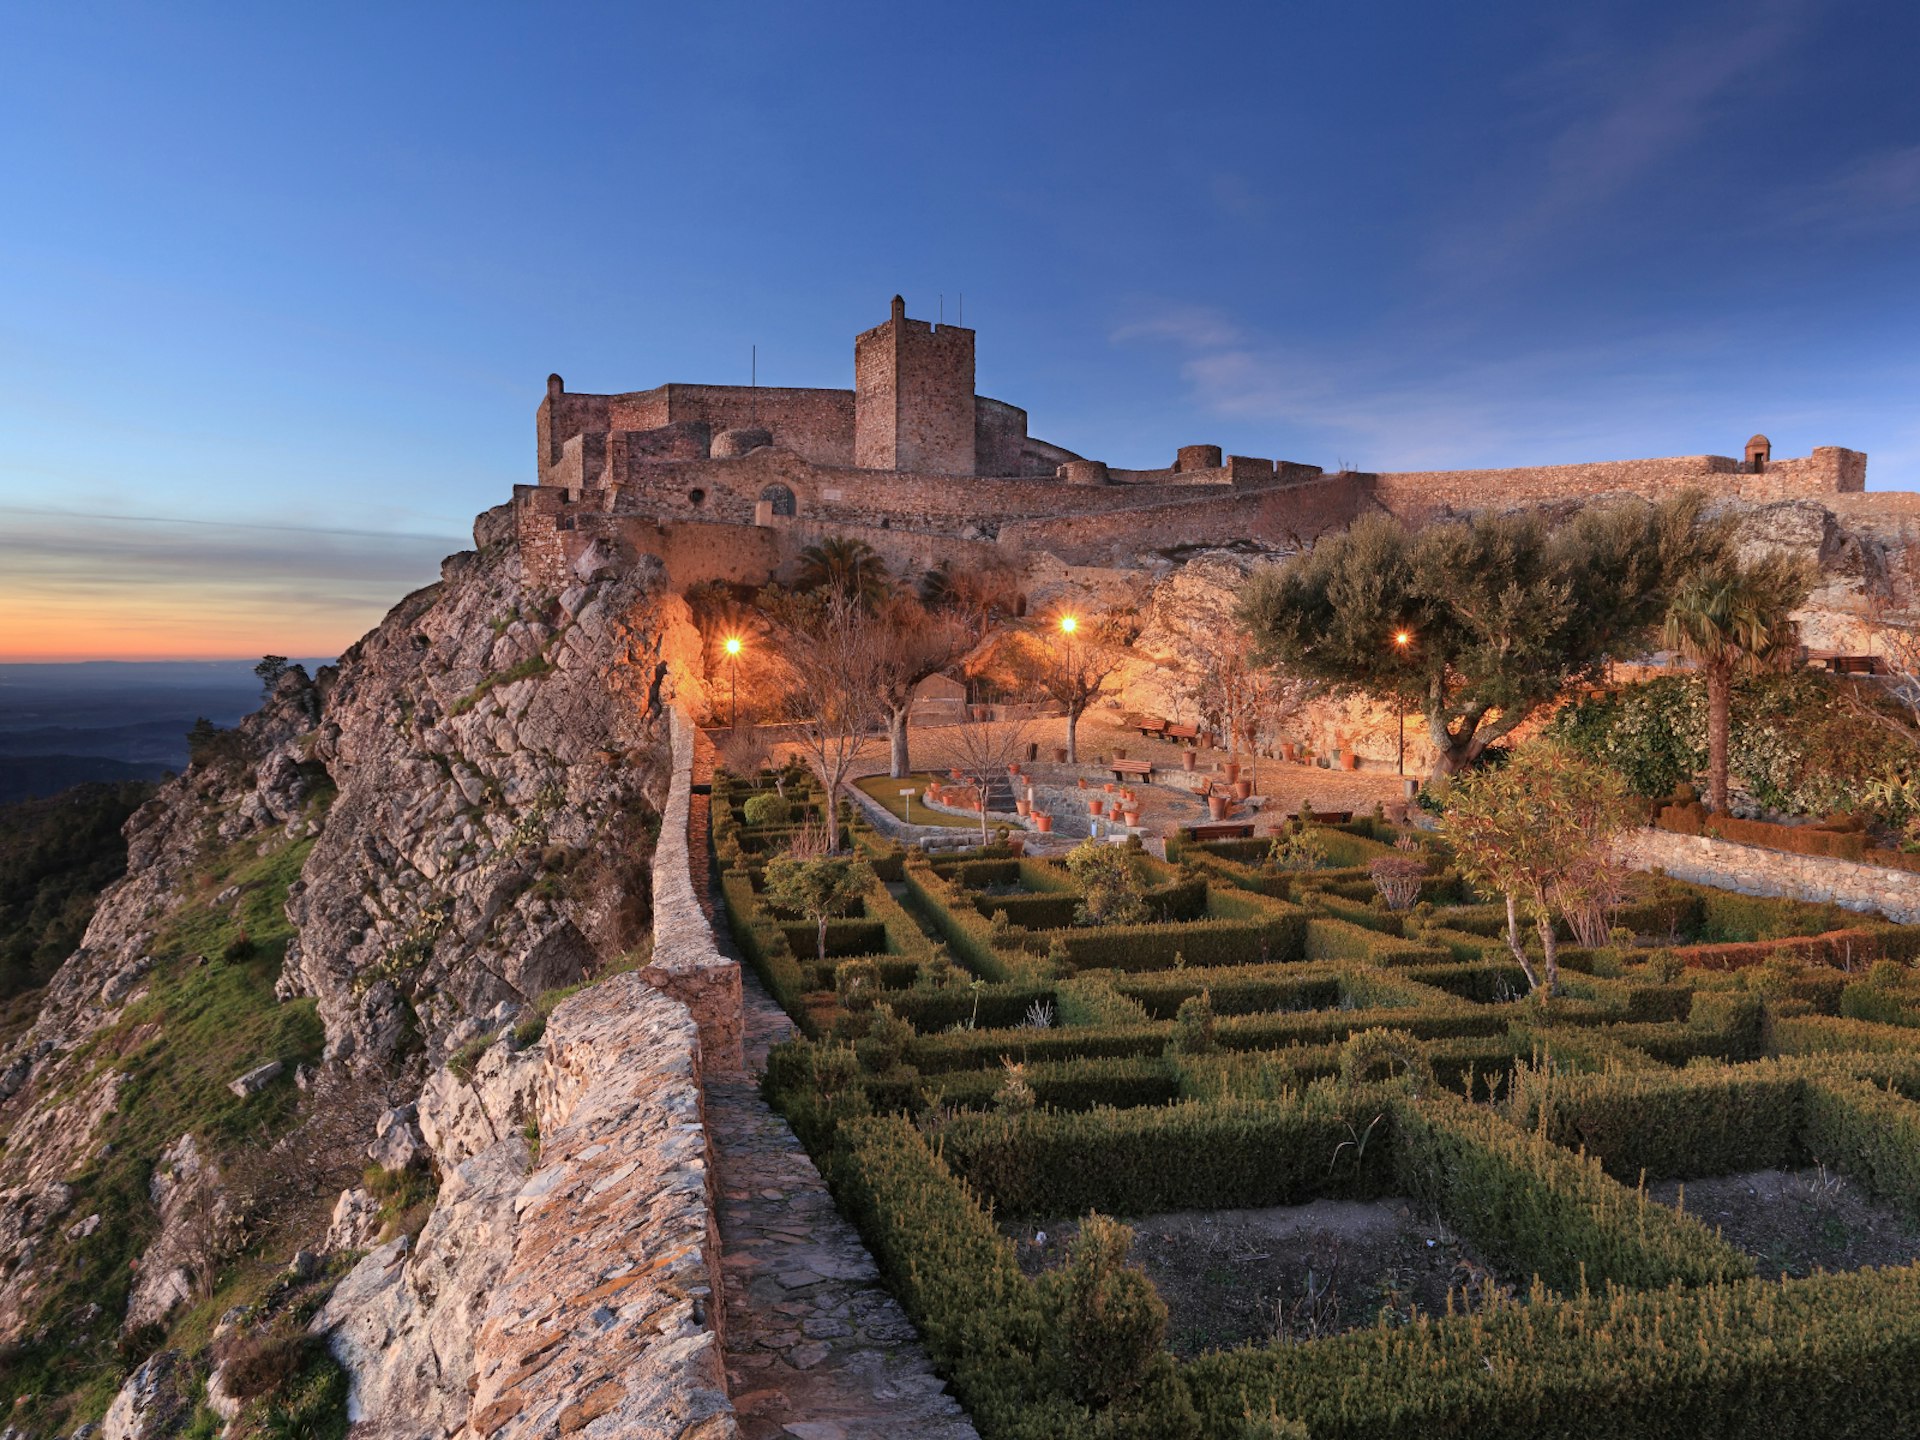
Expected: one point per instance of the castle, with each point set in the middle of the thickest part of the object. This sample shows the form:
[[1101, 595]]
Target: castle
[[731, 482]]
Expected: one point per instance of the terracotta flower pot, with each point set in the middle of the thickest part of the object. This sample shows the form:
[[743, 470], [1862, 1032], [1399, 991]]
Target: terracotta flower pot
[[1043, 823], [1289, 750], [1083, 782], [1022, 807], [1131, 814], [1017, 844], [1231, 771], [1189, 759], [1349, 760], [1096, 807], [1108, 787], [1242, 789], [955, 775], [1217, 806]]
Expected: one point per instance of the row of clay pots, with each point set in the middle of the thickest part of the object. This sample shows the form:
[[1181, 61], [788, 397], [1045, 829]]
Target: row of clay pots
[[1289, 751]]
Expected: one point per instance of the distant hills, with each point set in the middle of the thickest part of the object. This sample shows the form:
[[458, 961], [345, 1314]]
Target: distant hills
[[61, 725]]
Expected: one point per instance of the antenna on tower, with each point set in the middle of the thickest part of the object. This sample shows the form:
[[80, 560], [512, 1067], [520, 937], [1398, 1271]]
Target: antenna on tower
[[963, 309], [943, 307], [753, 384]]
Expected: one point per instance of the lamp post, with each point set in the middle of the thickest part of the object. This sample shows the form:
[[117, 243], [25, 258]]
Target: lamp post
[[1401, 640], [733, 669]]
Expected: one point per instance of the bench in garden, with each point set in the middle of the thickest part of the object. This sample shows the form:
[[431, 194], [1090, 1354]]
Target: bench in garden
[[1135, 769], [1222, 830], [1189, 733], [1149, 728]]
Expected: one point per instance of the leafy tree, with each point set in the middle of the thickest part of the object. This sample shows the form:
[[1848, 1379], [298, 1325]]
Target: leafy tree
[[818, 887], [1735, 618], [1499, 613], [1539, 830], [57, 854], [849, 567], [270, 669], [1109, 883]]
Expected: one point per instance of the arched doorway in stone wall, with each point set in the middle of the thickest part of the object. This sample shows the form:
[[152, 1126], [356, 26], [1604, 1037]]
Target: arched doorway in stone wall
[[781, 498]]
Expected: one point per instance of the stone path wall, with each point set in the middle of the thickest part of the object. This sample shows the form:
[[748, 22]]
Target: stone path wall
[[685, 963], [1751, 870]]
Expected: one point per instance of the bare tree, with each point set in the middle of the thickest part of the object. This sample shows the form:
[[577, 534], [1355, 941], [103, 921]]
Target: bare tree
[[1070, 662], [984, 746], [1274, 696], [827, 639], [911, 641]]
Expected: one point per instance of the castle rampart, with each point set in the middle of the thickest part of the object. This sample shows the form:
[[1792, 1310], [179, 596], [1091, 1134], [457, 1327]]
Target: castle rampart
[[913, 459]]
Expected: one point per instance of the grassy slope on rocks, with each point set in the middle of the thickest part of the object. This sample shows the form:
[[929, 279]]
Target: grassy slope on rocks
[[198, 1027]]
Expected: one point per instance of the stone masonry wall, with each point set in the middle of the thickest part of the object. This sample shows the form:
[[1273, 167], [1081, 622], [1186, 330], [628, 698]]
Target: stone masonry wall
[[607, 1320], [1292, 514], [1751, 870]]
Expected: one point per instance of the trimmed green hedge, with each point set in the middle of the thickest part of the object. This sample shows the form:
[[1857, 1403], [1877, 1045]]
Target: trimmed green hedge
[[1176, 1157], [1531, 1207], [1834, 1356]]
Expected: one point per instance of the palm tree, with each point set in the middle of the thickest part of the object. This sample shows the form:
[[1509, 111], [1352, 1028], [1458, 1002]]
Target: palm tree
[[1734, 619], [852, 567]]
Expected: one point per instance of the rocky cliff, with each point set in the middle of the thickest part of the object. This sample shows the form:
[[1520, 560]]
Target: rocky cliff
[[391, 860]]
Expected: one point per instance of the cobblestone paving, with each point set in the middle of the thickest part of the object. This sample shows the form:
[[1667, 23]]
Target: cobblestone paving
[[816, 1347]]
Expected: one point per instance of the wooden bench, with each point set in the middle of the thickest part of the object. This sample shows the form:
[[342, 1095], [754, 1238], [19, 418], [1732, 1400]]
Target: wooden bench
[[1222, 830], [1134, 769], [1330, 817], [1189, 733], [1150, 728]]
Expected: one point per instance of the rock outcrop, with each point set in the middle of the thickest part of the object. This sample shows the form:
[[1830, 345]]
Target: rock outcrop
[[457, 817], [578, 1294]]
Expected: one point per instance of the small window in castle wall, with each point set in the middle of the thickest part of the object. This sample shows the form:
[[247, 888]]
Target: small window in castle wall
[[697, 497]]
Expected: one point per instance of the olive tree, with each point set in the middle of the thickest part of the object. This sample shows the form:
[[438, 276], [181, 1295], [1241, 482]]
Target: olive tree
[[1477, 624]]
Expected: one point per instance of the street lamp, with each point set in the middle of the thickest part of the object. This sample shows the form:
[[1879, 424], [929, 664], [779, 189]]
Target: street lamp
[[733, 664], [1401, 640], [1069, 624]]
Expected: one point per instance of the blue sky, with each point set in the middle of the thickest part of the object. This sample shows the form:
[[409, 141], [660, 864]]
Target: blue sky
[[279, 287]]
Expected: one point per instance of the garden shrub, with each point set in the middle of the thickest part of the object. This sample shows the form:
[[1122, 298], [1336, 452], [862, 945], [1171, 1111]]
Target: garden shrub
[[767, 808]]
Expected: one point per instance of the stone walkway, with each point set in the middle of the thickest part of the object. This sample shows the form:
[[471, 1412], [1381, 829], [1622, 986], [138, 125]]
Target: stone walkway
[[816, 1347]]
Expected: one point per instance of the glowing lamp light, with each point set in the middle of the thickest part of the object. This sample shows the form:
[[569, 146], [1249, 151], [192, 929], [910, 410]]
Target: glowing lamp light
[[1402, 639], [1069, 624], [733, 645]]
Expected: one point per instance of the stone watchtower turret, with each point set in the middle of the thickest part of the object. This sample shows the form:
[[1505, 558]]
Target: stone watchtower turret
[[913, 404]]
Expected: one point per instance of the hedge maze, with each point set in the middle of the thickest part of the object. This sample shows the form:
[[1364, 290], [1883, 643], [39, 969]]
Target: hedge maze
[[975, 1056]]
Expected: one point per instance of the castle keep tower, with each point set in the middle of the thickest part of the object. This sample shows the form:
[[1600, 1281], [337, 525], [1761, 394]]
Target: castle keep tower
[[913, 403]]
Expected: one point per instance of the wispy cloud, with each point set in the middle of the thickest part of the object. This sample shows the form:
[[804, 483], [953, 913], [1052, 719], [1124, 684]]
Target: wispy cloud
[[83, 585], [1193, 327], [1875, 190], [1608, 117]]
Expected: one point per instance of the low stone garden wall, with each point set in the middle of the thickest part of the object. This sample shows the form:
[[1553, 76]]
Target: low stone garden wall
[[1752, 870]]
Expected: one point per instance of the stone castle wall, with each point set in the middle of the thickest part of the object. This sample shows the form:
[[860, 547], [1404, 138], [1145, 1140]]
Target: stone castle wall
[[1828, 471]]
